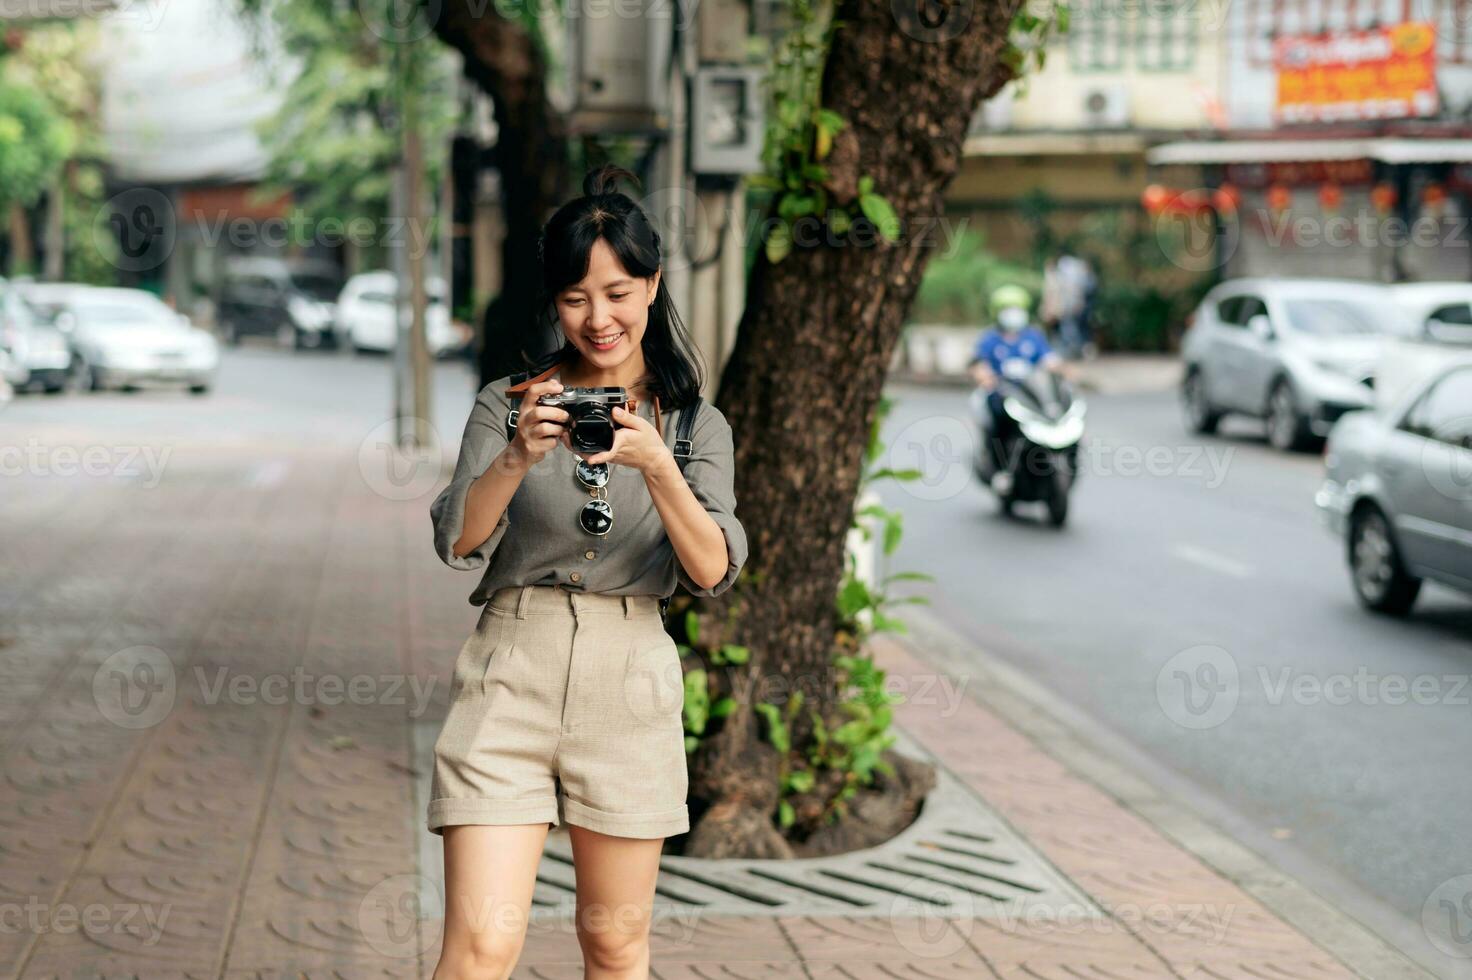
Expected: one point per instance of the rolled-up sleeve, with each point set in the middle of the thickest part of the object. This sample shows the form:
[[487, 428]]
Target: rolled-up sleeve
[[481, 443], [711, 472]]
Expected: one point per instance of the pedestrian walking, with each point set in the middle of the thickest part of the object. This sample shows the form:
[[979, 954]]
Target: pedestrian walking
[[1075, 286], [566, 700]]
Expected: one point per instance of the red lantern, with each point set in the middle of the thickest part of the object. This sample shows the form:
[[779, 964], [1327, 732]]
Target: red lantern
[[1226, 198], [1383, 197], [1154, 198], [1331, 196], [1191, 202], [1279, 197], [1433, 197]]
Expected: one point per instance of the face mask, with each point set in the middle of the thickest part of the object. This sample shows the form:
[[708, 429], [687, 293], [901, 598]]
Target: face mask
[[1012, 319]]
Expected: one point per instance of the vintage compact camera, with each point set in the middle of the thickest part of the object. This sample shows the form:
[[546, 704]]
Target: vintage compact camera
[[590, 415]]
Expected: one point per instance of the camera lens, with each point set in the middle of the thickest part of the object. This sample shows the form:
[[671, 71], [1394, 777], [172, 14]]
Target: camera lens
[[592, 429]]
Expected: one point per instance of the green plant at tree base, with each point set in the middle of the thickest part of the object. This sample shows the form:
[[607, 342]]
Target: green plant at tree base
[[799, 136], [839, 759], [845, 758]]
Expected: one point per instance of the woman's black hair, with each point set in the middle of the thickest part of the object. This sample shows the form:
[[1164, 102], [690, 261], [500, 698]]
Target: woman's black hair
[[564, 249]]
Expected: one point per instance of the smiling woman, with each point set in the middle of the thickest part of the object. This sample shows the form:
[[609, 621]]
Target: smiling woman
[[566, 701]]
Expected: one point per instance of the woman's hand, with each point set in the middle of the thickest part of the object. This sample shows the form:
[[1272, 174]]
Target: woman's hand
[[635, 444], [539, 428]]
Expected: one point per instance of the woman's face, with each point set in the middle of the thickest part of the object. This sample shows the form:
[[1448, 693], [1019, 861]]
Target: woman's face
[[604, 316]]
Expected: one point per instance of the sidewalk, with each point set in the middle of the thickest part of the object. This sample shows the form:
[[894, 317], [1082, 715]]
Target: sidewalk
[[215, 695]]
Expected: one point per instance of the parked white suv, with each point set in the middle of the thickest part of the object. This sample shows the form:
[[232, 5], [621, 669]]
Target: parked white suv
[[1298, 353]]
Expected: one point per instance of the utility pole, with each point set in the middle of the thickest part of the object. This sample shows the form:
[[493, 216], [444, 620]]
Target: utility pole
[[411, 349]]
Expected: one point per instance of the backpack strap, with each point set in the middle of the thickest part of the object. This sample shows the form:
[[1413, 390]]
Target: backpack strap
[[683, 445], [682, 450]]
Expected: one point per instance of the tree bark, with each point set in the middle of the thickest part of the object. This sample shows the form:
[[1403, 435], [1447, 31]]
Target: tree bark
[[505, 60], [803, 381]]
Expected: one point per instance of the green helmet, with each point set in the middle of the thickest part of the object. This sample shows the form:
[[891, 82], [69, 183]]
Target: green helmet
[[1010, 295]]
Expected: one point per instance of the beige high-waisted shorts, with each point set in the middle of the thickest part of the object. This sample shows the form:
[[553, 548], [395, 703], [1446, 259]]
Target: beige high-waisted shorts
[[565, 705]]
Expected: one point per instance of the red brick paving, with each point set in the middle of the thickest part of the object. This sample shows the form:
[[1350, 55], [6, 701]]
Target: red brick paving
[[279, 840]]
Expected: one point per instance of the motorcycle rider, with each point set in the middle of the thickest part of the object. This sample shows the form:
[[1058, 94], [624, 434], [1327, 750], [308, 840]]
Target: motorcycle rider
[[1012, 347]]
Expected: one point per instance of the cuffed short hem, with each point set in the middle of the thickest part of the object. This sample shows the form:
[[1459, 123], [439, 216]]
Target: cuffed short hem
[[449, 812], [660, 823]]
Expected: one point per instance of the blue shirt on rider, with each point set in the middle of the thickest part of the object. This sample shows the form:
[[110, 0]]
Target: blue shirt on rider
[[997, 348]]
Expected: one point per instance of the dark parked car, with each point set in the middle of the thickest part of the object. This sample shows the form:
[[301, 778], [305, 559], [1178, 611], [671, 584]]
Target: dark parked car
[[293, 302]]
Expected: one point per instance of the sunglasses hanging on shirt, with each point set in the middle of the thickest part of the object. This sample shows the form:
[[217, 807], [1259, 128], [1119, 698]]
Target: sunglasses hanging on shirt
[[596, 517]]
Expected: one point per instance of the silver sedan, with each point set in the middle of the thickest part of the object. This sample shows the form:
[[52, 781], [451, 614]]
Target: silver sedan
[[1398, 489]]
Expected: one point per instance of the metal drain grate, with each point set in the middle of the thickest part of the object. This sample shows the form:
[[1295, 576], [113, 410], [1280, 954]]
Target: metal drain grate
[[959, 858]]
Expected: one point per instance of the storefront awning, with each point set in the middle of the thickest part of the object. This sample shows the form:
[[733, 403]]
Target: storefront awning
[[1051, 144], [1387, 150]]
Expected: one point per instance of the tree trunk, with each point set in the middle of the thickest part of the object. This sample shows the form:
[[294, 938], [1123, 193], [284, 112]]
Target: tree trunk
[[505, 60], [803, 381]]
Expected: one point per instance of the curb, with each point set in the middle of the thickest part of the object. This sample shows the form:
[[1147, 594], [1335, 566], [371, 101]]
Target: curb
[[1089, 751]]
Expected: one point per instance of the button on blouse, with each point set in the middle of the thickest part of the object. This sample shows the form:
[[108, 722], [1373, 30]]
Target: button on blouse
[[538, 540]]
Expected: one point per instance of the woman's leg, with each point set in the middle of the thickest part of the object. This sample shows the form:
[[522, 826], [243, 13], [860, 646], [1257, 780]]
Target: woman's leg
[[490, 872], [615, 877]]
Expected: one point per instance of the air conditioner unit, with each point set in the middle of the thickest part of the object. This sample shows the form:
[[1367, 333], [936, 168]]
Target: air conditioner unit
[[1106, 107]]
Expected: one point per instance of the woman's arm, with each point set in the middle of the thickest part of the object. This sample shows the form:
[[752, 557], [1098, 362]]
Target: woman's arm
[[697, 506], [539, 429], [488, 497], [699, 543]]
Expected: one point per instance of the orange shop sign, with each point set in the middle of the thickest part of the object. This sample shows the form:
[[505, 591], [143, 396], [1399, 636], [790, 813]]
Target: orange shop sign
[[1383, 73]]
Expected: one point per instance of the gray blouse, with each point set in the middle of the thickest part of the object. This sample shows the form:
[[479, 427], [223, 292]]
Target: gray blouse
[[538, 540]]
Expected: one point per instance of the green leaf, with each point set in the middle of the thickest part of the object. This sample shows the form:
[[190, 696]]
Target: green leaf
[[776, 729], [866, 184], [786, 816], [765, 182], [831, 120], [692, 626], [735, 653], [800, 780], [779, 243], [903, 476], [892, 533], [852, 597], [794, 206], [910, 577], [723, 707], [839, 221], [691, 744], [879, 211], [889, 624]]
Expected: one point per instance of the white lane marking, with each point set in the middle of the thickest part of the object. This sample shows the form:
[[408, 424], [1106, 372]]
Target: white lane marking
[[1212, 560]]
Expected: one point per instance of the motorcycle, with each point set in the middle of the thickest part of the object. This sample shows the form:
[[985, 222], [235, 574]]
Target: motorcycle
[[1039, 457]]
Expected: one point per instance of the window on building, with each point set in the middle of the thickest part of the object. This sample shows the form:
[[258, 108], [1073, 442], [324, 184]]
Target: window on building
[[1166, 32], [1097, 35]]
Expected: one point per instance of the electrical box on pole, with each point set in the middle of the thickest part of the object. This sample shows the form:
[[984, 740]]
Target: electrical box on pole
[[727, 120], [619, 62]]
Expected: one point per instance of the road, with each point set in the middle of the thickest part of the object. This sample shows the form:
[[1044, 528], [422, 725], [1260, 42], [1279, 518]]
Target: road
[[1195, 606]]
